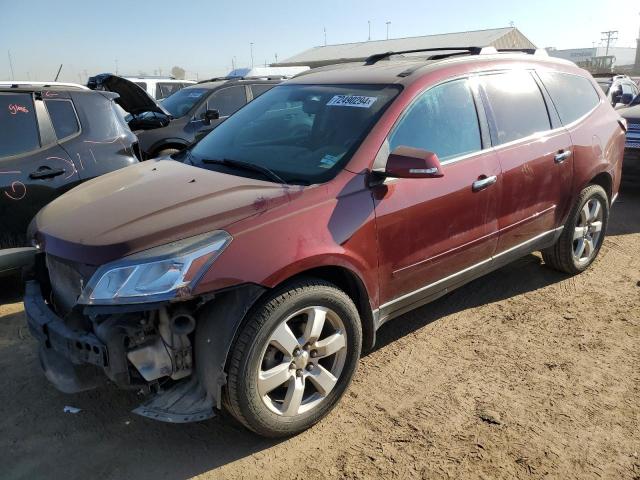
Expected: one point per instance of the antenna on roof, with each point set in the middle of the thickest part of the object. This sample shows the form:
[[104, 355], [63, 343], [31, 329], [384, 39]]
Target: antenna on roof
[[58, 74]]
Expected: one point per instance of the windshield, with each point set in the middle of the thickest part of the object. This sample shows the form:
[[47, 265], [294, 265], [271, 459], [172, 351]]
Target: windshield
[[303, 133], [605, 86], [182, 101]]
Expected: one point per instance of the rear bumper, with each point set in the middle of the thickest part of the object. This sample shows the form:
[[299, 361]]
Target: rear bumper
[[79, 347]]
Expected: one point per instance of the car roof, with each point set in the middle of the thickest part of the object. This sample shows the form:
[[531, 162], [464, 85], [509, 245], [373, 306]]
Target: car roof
[[405, 70], [39, 88], [218, 82], [158, 80], [34, 86]]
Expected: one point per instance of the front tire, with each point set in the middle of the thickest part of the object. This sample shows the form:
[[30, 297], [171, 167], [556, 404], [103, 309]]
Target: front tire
[[583, 234], [294, 358]]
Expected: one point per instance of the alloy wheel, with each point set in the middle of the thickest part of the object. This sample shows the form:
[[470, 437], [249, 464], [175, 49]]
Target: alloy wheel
[[302, 361], [587, 231]]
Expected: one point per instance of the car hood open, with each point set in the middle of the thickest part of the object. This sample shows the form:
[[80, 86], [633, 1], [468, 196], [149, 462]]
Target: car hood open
[[146, 205], [133, 98]]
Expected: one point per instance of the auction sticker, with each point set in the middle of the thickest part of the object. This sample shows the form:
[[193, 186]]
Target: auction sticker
[[359, 101]]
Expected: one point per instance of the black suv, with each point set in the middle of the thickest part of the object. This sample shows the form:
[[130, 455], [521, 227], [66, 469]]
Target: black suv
[[187, 115], [51, 139], [631, 165]]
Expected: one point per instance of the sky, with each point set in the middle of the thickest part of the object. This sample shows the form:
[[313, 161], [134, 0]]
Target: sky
[[206, 37]]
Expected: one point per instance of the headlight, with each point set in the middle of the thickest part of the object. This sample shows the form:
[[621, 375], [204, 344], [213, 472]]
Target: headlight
[[157, 274]]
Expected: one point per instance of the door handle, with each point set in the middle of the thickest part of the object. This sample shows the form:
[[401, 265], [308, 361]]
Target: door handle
[[562, 155], [46, 172], [483, 183]]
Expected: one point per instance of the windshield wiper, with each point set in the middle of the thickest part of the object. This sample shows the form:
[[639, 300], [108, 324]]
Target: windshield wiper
[[246, 166]]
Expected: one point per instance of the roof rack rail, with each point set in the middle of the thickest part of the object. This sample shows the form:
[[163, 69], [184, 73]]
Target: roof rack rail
[[530, 51], [371, 60], [240, 77]]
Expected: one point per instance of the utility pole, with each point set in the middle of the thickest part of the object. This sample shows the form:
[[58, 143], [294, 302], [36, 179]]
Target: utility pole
[[251, 48], [637, 62], [387, 23], [11, 64], [369, 22], [609, 37], [233, 63], [276, 57], [325, 35]]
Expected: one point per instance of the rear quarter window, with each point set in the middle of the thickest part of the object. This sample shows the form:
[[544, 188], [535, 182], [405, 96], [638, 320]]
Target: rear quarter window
[[18, 125], [63, 116], [573, 95], [517, 106]]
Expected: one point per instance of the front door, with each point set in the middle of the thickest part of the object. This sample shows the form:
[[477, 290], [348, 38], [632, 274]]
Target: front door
[[431, 230], [226, 101]]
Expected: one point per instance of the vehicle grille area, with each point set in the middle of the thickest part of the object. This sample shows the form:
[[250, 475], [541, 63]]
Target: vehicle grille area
[[67, 281], [633, 135]]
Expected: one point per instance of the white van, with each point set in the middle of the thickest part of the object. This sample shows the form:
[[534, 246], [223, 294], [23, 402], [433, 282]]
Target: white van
[[160, 87]]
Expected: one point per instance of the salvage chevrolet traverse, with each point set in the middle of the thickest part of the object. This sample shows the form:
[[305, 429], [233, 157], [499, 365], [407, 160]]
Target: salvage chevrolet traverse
[[350, 195]]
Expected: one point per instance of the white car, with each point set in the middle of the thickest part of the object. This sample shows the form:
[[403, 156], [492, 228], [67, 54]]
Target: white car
[[9, 83], [160, 87]]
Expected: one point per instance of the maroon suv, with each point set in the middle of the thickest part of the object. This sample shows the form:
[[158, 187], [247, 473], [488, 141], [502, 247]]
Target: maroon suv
[[253, 273]]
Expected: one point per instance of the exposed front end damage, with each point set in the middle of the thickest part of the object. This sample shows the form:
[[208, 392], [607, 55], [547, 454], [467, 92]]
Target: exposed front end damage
[[149, 348]]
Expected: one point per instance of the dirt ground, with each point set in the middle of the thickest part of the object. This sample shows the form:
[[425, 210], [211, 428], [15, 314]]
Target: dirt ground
[[526, 373]]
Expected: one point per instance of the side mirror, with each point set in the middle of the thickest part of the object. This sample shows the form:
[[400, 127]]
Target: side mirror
[[407, 162], [626, 98], [210, 115]]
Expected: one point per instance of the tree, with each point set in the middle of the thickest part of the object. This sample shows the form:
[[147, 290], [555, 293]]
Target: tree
[[178, 72]]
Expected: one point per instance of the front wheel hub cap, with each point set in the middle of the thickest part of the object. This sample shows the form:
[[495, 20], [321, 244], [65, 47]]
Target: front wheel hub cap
[[291, 379]]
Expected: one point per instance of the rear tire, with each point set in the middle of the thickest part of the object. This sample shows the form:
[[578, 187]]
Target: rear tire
[[583, 233], [294, 358]]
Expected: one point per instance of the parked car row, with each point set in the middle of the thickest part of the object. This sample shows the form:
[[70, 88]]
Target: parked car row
[[624, 94], [164, 128], [251, 274]]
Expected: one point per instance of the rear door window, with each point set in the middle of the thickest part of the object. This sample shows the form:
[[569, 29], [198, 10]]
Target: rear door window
[[517, 106], [573, 95], [63, 116], [18, 126], [443, 120], [258, 90], [228, 100]]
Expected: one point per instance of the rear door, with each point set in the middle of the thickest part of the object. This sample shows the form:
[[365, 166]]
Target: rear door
[[535, 155], [432, 231], [34, 169]]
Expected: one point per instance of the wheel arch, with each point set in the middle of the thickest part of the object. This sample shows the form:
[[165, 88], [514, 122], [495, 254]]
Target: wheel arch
[[349, 282], [605, 180], [167, 143]]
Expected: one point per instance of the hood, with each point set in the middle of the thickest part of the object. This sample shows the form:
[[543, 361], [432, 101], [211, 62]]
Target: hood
[[146, 205], [133, 99], [631, 113]]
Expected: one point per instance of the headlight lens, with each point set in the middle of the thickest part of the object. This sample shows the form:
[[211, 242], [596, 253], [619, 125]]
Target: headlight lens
[[156, 274]]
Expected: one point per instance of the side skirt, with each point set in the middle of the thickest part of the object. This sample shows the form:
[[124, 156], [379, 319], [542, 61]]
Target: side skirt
[[433, 291]]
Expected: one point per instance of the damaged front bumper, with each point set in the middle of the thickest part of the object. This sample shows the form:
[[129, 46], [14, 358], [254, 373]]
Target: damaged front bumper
[[129, 349]]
